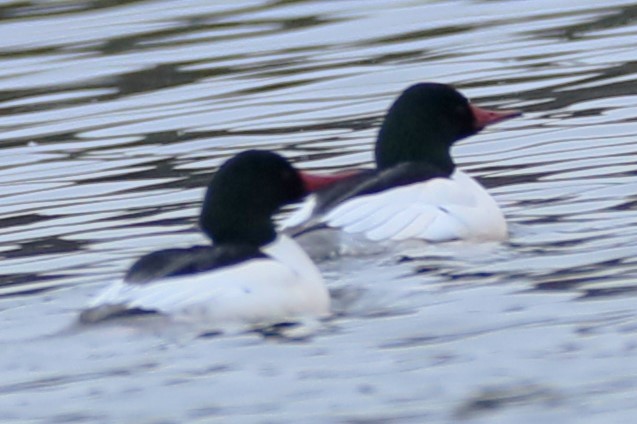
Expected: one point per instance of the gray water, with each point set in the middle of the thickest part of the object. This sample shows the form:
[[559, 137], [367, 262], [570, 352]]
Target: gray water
[[114, 114]]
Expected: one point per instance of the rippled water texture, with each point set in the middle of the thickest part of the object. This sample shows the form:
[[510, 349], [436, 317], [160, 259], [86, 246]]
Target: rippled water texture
[[114, 114]]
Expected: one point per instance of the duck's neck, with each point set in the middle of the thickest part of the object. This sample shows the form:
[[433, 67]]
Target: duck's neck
[[413, 142], [242, 227]]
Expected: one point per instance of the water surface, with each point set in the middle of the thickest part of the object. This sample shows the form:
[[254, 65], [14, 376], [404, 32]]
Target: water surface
[[115, 114]]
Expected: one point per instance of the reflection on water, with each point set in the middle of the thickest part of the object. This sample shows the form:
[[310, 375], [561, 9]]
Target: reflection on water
[[114, 114]]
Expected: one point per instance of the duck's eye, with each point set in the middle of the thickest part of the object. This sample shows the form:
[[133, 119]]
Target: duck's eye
[[289, 177], [461, 111], [286, 175]]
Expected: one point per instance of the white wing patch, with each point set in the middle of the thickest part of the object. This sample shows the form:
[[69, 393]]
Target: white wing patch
[[302, 214], [440, 209]]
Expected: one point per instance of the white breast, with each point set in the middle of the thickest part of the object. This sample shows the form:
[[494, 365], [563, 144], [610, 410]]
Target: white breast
[[441, 209], [259, 291]]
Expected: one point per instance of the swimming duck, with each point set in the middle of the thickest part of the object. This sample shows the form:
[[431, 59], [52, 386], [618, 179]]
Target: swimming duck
[[249, 276], [415, 192]]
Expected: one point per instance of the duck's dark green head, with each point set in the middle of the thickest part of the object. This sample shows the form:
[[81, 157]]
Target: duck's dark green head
[[244, 194], [425, 121]]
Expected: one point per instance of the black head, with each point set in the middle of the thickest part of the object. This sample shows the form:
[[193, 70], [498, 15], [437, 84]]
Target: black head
[[244, 194], [424, 122]]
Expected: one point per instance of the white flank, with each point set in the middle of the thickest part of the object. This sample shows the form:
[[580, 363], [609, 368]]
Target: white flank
[[441, 209], [287, 286]]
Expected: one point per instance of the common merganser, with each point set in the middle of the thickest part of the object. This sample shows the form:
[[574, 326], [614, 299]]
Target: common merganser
[[249, 276], [415, 191]]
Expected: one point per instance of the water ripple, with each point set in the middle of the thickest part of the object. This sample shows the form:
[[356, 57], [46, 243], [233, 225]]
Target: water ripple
[[114, 114]]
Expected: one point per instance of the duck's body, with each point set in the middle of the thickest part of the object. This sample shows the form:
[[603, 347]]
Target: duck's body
[[248, 277], [437, 210], [280, 285], [415, 192]]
